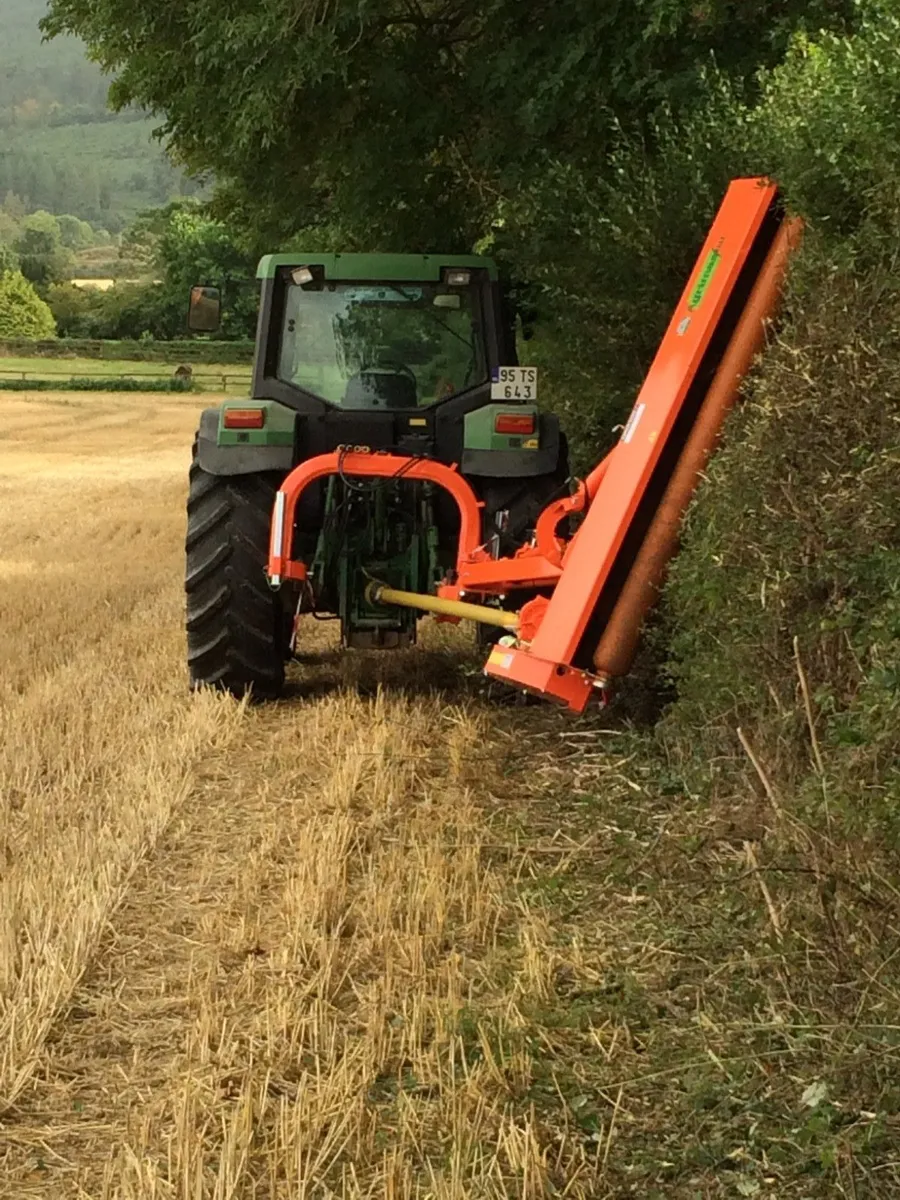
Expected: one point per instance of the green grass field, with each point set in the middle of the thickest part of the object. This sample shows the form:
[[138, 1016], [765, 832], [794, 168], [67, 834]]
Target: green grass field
[[211, 377]]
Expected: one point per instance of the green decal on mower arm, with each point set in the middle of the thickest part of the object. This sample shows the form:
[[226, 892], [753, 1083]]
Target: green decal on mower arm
[[424, 268], [706, 277]]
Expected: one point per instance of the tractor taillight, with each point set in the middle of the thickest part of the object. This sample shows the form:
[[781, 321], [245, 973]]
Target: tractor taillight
[[244, 418], [520, 424]]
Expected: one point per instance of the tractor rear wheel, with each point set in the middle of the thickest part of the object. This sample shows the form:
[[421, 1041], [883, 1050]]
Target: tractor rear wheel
[[238, 629]]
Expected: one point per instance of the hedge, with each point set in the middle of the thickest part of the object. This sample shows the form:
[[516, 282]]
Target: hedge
[[110, 384], [228, 353]]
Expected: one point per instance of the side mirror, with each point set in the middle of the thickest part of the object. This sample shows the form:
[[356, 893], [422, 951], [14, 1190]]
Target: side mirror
[[205, 314]]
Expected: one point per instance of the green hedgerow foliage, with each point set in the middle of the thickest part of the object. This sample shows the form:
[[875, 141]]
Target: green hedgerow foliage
[[121, 383], [796, 532], [606, 244], [828, 127]]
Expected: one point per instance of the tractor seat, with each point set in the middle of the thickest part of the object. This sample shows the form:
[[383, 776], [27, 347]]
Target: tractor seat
[[380, 389]]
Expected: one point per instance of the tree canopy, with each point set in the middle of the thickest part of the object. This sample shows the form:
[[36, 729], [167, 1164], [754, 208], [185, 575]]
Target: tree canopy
[[23, 314], [583, 143], [404, 123], [43, 256]]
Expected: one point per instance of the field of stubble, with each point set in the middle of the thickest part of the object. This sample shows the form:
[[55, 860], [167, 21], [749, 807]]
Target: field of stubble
[[387, 939], [240, 950]]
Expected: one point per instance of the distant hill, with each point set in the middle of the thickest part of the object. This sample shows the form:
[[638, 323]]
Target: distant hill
[[60, 147]]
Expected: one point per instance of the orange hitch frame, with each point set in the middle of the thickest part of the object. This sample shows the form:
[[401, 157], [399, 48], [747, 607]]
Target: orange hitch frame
[[365, 463], [603, 580]]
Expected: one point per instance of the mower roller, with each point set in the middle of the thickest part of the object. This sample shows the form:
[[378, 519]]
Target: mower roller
[[393, 461]]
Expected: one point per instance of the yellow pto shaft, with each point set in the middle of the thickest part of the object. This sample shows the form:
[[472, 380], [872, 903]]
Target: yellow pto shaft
[[377, 593]]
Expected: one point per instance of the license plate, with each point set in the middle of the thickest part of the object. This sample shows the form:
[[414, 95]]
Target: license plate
[[514, 383]]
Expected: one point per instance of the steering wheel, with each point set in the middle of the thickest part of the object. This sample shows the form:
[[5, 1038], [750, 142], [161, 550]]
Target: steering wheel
[[390, 364]]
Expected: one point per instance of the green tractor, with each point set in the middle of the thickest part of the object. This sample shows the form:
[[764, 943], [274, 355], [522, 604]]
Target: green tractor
[[396, 354]]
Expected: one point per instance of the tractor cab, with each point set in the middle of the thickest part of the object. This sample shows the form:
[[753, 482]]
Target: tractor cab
[[379, 333], [395, 352]]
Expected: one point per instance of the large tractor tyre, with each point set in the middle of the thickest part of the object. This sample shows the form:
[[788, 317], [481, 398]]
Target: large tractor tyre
[[238, 629], [523, 499]]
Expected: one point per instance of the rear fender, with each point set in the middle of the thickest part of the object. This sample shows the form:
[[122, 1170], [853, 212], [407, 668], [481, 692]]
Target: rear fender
[[223, 451], [495, 456]]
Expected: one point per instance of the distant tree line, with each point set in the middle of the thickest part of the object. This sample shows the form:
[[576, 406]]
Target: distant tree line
[[154, 264], [62, 148], [65, 185], [41, 91], [40, 79]]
